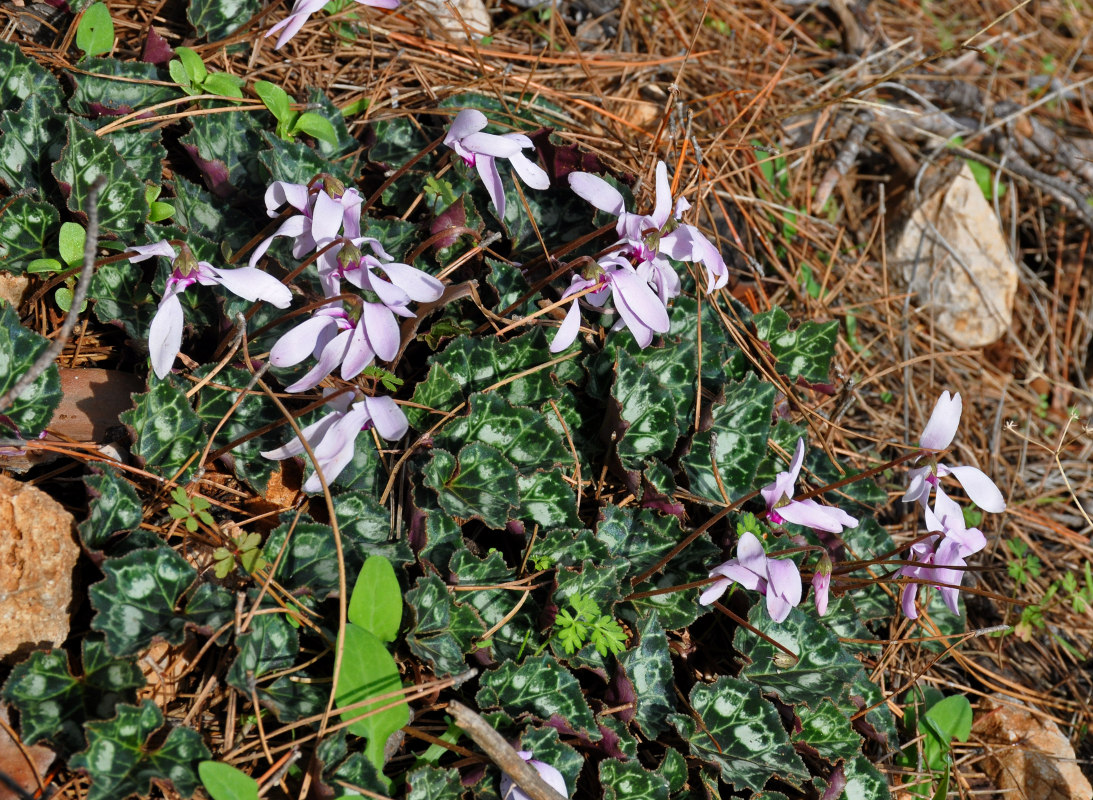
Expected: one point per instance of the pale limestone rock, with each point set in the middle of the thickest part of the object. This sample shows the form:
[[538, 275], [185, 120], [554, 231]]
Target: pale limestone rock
[[38, 551], [449, 13], [952, 254], [1027, 755]]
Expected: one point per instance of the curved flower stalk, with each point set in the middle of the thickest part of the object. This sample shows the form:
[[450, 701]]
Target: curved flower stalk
[[481, 151], [324, 214], [510, 791], [302, 9], [165, 331], [333, 437], [938, 435], [941, 559], [654, 238], [639, 307], [781, 507], [777, 578]]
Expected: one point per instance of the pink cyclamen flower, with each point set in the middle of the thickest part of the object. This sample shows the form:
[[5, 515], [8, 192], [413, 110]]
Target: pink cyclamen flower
[[165, 331], [324, 214], [333, 437], [777, 578], [402, 285], [941, 559], [511, 791], [303, 9], [639, 307], [821, 583], [481, 151], [653, 238], [781, 507], [938, 434]]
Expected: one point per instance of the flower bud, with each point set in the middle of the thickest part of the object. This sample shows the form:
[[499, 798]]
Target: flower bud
[[821, 583], [185, 263], [349, 256], [334, 187]]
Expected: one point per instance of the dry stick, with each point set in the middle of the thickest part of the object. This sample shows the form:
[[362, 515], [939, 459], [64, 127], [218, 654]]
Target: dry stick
[[49, 355], [501, 753]]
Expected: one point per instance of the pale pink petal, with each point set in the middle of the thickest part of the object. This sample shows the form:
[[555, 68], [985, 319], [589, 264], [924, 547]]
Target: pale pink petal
[[387, 417], [388, 4], [714, 591], [419, 286], [329, 358], [382, 329], [165, 334], [736, 572], [907, 600], [302, 341], [785, 482], [980, 489], [941, 428], [640, 300], [146, 251], [253, 284], [530, 172], [917, 486], [751, 555], [359, 354], [821, 590], [598, 192], [490, 144], [326, 220], [467, 121], [663, 205], [314, 432], [784, 579], [568, 330], [487, 171], [281, 192], [293, 226]]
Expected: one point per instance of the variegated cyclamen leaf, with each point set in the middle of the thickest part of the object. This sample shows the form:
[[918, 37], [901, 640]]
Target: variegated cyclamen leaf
[[545, 744], [270, 644], [481, 483], [30, 141], [295, 162], [623, 780], [826, 732], [823, 668], [114, 508], [215, 19], [432, 638], [803, 352], [741, 733], [864, 781], [648, 412], [736, 442], [136, 600], [433, 783], [366, 528], [522, 436], [142, 151], [546, 499], [167, 431], [23, 78], [28, 229], [674, 769], [120, 763], [542, 687], [122, 296], [648, 668], [98, 93], [122, 205], [225, 148], [31, 411], [492, 606], [397, 140]]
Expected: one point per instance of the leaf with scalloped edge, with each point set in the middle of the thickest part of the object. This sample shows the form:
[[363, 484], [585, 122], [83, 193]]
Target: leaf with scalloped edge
[[85, 157], [216, 19], [736, 442], [542, 687], [741, 733], [167, 431], [823, 668], [623, 780], [23, 78], [480, 483], [270, 644], [805, 351], [225, 148], [433, 637], [121, 763], [30, 141], [648, 410], [434, 783], [826, 732], [28, 229], [29, 412], [122, 296], [54, 704], [99, 92], [493, 606], [114, 508], [648, 668]]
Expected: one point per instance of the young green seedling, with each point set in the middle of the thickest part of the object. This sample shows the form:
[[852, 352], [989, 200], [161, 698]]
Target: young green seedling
[[290, 123]]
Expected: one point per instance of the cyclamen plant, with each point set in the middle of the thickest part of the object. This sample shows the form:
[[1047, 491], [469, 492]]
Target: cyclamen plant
[[303, 9]]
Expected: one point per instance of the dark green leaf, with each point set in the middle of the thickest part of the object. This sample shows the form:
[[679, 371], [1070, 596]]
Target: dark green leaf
[[271, 644], [167, 431], [120, 762], [24, 78], [376, 601], [142, 152], [805, 351], [482, 483], [433, 783], [864, 781], [121, 295], [30, 141], [99, 92], [114, 508], [736, 442], [86, 157], [215, 19], [741, 733], [32, 410], [367, 528], [397, 141], [826, 730], [295, 162], [547, 499], [225, 148], [539, 686], [433, 638], [648, 409], [648, 668], [493, 606], [630, 781], [27, 228]]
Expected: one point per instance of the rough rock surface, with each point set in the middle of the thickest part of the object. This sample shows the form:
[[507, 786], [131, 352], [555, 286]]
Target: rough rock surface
[[1028, 755], [952, 254], [38, 551]]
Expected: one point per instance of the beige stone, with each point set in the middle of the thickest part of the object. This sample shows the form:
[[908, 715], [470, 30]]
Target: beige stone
[[1027, 755], [38, 551], [952, 254], [457, 17], [13, 288]]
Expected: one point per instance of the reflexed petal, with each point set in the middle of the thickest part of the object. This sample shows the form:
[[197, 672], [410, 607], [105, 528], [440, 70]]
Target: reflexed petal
[[387, 417], [293, 226], [165, 334], [907, 600], [281, 192], [941, 428], [490, 144], [388, 4], [313, 434], [751, 555], [948, 512], [917, 487], [784, 580], [253, 284], [330, 357], [358, 354], [784, 482], [980, 489], [530, 172], [598, 192], [466, 122], [382, 330], [568, 330], [642, 301], [663, 205], [814, 515], [326, 219], [419, 286], [736, 572], [552, 777], [302, 341], [146, 251], [714, 591], [706, 253], [487, 171]]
